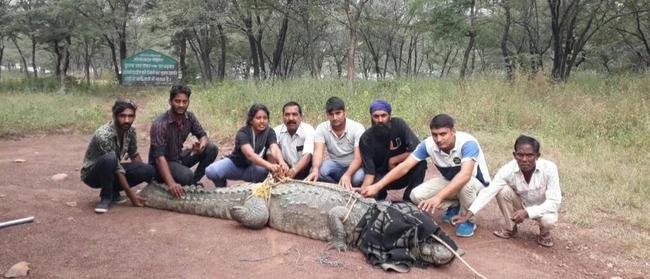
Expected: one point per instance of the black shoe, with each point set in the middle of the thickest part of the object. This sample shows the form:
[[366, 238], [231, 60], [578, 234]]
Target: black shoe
[[102, 206], [119, 199]]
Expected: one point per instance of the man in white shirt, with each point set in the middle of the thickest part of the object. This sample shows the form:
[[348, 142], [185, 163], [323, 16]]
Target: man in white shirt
[[526, 188], [296, 140], [461, 163], [341, 136]]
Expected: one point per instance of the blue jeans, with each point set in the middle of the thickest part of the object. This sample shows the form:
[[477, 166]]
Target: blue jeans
[[225, 169], [331, 172]]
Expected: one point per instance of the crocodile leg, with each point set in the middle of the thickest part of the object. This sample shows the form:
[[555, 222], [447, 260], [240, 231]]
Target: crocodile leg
[[254, 213], [337, 230]]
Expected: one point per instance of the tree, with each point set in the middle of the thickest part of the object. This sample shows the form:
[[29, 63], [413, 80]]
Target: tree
[[111, 17], [4, 28], [353, 9], [635, 29], [572, 25], [507, 60]]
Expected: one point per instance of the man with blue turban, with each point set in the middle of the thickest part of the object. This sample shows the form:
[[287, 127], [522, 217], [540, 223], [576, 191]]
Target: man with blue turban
[[387, 143]]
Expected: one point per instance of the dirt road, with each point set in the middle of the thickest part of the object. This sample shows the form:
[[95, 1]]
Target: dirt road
[[69, 240]]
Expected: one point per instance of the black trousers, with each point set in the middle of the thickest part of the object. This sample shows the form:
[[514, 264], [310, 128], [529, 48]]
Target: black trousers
[[409, 181], [102, 175], [181, 171]]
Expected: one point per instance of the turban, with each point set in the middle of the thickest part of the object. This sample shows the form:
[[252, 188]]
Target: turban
[[380, 105]]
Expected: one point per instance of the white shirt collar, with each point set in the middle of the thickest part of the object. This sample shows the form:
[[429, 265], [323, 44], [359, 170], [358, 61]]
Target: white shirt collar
[[285, 130]]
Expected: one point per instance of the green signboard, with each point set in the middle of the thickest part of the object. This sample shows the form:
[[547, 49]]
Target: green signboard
[[149, 67]]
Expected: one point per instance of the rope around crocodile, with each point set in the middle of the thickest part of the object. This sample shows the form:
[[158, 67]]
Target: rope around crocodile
[[263, 190]]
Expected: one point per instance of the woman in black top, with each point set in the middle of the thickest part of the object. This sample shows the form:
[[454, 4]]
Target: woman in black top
[[247, 161]]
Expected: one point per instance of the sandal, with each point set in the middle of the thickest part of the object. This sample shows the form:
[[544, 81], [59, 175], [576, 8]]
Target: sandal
[[545, 240], [505, 234]]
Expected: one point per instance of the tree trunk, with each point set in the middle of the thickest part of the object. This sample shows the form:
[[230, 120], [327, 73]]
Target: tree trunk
[[352, 49], [471, 33], [22, 58], [453, 60], [248, 23], [87, 59], [279, 43], [639, 28], [221, 69], [66, 58], [57, 53], [34, 57], [180, 43], [260, 47], [374, 53], [2, 51], [197, 56], [116, 68], [353, 17], [444, 62], [65, 61], [504, 42], [121, 36], [313, 68]]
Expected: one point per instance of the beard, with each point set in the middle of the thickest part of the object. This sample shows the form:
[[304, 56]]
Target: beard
[[179, 111], [381, 131], [124, 126]]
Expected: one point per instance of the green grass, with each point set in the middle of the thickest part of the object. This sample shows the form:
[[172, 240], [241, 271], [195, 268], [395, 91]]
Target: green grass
[[596, 129], [39, 106]]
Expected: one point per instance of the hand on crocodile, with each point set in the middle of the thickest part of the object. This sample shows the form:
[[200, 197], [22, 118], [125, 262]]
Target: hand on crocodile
[[176, 190], [312, 177], [139, 201], [368, 191], [430, 205], [346, 181], [338, 245]]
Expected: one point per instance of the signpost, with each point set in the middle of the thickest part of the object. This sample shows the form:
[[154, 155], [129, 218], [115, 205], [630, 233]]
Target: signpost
[[149, 67]]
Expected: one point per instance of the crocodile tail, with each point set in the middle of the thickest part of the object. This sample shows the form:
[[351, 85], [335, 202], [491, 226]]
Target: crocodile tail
[[253, 214], [213, 203]]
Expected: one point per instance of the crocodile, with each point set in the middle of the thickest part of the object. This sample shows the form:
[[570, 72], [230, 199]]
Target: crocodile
[[319, 211]]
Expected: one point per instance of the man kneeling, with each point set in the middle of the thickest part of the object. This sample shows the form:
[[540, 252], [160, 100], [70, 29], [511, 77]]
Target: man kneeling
[[527, 184], [102, 167]]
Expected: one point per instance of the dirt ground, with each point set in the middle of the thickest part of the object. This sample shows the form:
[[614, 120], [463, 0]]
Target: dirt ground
[[68, 240]]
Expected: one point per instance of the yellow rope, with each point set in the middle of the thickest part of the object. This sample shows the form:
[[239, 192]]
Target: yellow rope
[[263, 189]]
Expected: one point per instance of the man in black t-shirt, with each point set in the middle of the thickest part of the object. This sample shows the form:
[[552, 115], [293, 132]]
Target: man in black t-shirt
[[383, 146]]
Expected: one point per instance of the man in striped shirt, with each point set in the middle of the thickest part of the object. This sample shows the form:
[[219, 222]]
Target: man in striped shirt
[[168, 133]]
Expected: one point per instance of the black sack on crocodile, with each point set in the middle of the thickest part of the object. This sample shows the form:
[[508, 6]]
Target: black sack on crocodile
[[390, 233]]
